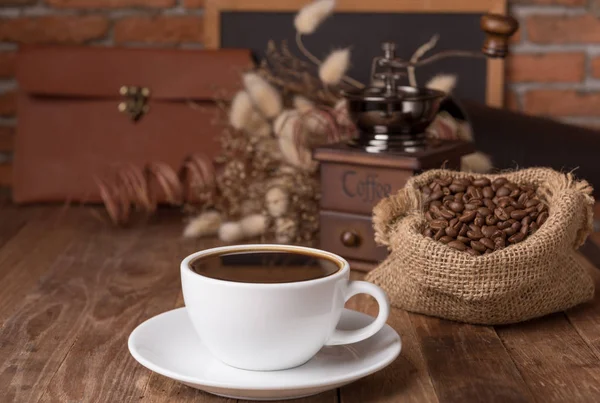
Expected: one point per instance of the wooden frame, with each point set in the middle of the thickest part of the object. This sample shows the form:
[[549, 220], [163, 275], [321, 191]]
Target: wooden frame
[[495, 67]]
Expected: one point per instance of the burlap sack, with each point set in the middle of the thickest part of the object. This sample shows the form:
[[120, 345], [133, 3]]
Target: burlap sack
[[533, 278]]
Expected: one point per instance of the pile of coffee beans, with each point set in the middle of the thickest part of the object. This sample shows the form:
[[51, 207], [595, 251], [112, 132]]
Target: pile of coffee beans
[[480, 216]]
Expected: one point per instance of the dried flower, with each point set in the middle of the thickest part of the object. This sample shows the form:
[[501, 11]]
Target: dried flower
[[253, 225], [241, 110], [312, 15], [231, 232], [205, 224], [302, 104], [285, 122], [476, 162], [277, 201], [334, 67], [264, 96], [442, 82]]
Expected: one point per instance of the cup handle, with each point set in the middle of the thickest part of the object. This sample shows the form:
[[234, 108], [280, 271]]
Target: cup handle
[[352, 336]]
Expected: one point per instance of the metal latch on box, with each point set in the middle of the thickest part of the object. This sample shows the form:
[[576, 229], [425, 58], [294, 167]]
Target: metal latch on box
[[136, 101]]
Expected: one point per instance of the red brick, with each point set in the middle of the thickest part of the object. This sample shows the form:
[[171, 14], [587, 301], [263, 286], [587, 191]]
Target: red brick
[[516, 38], [596, 67], [551, 2], [110, 3], [16, 2], [7, 64], [7, 137], [193, 3], [160, 29], [511, 101], [53, 29], [546, 68], [8, 103], [564, 29], [562, 103]]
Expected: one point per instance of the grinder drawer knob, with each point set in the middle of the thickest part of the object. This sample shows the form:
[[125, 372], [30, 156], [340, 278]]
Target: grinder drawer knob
[[350, 239]]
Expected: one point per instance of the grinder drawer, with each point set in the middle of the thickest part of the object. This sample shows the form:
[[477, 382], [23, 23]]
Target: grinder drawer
[[350, 236]]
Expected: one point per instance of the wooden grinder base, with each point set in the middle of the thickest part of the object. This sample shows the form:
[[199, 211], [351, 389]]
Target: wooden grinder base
[[353, 181]]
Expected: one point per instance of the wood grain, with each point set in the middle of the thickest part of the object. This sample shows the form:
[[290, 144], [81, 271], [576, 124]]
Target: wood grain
[[468, 363], [32, 252], [406, 379], [585, 318], [554, 361], [47, 321], [141, 283]]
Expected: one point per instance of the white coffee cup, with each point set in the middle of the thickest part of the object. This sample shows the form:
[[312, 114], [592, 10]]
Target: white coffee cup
[[273, 326]]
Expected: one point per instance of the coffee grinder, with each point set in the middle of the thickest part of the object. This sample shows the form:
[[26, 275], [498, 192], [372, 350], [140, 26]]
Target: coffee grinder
[[390, 147]]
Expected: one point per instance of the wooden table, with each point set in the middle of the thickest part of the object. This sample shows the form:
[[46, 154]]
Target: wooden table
[[73, 288]]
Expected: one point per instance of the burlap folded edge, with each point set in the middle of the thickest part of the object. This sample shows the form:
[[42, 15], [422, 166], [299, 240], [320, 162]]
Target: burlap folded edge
[[407, 202]]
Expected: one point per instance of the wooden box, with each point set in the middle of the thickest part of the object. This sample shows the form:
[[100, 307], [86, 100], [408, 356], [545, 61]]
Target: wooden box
[[353, 181]]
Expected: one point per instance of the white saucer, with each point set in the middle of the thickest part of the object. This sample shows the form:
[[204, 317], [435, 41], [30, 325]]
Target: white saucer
[[167, 344]]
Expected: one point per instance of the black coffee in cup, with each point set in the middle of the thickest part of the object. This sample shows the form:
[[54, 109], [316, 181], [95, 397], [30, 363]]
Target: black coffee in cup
[[264, 267]]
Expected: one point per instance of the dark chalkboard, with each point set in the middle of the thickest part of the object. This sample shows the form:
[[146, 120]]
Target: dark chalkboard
[[364, 32]]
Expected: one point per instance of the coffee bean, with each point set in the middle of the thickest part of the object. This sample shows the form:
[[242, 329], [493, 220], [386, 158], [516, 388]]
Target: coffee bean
[[472, 252], [457, 245], [488, 231], [471, 206], [436, 195], [446, 239], [456, 206], [489, 204], [456, 188], [481, 182], [479, 214], [463, 239], [479, 221], [475, 235], [478, 246], [491, 220], [503, 191], [503, 224], [531, 209], [541, 219], [516, 238], [484, 211], [522, 200], [468, 216], [453, 232], [497, 183], [488, 243], [501, 214], [447, 214], [488, 192], [518, 214], [438, 224], [447, 199]]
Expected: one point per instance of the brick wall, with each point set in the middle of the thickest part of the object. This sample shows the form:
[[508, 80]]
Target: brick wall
[[554, 71]]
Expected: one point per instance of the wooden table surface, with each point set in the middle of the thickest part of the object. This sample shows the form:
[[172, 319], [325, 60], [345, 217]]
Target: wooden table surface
[[73, 288]]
